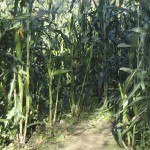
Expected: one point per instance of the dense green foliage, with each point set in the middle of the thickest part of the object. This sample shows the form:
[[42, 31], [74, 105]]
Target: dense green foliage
[[59, 56]]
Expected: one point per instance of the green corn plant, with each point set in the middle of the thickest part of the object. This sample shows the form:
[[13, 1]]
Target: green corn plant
[[28, 97], [20, 80], [128, 101], [105, 47], [50, 77], [56, 103], [80, 42]]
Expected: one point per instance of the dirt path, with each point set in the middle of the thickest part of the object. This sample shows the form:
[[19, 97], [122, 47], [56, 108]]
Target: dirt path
[[90, 137], [90, 134]]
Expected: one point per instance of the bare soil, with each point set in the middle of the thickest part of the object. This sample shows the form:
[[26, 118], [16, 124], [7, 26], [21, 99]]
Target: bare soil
[[87, 134]]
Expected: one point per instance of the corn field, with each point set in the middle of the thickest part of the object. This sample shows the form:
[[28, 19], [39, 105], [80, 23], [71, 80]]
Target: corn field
[[59, 56]]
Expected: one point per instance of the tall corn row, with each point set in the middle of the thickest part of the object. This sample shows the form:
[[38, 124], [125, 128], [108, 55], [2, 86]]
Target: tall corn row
[[133, 103], [61, 56]]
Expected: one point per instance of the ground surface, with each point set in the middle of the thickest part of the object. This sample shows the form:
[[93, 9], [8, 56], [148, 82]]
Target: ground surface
[[90, 133]]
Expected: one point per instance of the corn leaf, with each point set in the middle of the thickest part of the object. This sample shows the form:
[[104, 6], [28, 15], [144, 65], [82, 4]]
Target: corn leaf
[[59, 72], [140, 30]]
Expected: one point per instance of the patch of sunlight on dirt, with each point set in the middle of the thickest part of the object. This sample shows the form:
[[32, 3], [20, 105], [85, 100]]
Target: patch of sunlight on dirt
[[88, 134]]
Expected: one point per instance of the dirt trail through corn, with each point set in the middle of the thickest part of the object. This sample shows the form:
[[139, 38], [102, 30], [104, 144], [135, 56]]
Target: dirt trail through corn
[[90, 137], [87, 135]]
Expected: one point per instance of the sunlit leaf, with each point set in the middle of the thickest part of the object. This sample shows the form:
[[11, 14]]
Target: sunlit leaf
[[118, 8], [12, 85], [128, 70], [3, 120], [130, 80], [140, 30], [59, 72], [124, 45], [125, 103]]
